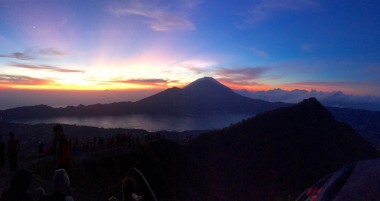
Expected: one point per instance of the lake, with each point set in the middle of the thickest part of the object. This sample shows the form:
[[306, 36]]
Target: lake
[[147, 122]]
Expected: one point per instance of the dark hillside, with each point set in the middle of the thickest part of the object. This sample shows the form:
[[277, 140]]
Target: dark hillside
[[366, 122], [163, 163], [275, 154]]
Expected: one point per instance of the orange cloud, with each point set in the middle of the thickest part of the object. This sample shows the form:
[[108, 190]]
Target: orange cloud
[[18, 81], [142, 83]]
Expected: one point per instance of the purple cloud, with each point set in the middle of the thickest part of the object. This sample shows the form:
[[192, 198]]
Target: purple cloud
[[228, 81], [246, 73], [52, 52], [265, 9], [45, 67], [18, 55], [157, 15]]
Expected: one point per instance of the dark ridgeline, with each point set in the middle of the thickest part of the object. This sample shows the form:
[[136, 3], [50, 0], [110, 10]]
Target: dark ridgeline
[[271, 156], [203, 96], [275, 154]]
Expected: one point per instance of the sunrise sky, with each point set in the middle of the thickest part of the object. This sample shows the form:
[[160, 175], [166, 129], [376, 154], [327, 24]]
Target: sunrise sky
[[152, 44]]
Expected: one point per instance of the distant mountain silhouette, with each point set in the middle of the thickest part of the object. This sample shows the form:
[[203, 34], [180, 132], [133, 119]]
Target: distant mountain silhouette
[[366, 122], [275, 154], [203, 96]]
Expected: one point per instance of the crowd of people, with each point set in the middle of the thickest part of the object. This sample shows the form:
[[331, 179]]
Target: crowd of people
[[121, 139], [22, 179], [60, 148], [11, 149], [19, 188], [19, 185]]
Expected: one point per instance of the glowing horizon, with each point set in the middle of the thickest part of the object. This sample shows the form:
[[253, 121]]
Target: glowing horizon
[[154, 45]]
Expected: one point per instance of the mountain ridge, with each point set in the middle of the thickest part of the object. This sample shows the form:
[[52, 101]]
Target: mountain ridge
[[203, 96], [277, 153], [197, 98]]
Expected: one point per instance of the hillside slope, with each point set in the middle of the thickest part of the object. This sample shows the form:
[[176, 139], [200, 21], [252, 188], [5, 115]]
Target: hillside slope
[[275, 154]]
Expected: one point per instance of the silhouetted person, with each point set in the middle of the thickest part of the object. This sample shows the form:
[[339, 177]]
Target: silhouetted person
[[12, 151], [2, 152], [40, 148], [61, 148], [76, 143], [129, 187], [137, 140], [18, 187], [61, 187]]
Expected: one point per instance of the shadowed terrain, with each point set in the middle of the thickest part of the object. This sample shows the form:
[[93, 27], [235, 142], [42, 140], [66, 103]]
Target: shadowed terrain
[[273, 156]]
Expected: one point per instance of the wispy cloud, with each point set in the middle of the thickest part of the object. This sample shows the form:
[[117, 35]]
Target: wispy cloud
[[246, 73], [198, 66], [12, 80], [260, 53], [266, 9], [331, 84], [192, 68], [45, 67], [145, 82], [51, 52], [238, 83], [158, 16], [241, 77], [34, 53], [307, 47], [18, 55]]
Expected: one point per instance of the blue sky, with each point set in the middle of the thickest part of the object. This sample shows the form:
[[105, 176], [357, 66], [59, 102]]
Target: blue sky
[[153, 44]]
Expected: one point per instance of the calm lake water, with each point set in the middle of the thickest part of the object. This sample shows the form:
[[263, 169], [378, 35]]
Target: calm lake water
[[147, 122]]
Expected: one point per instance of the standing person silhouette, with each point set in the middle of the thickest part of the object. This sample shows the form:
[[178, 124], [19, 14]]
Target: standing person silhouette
[[61, 148], [2, 152], [12, 151]]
